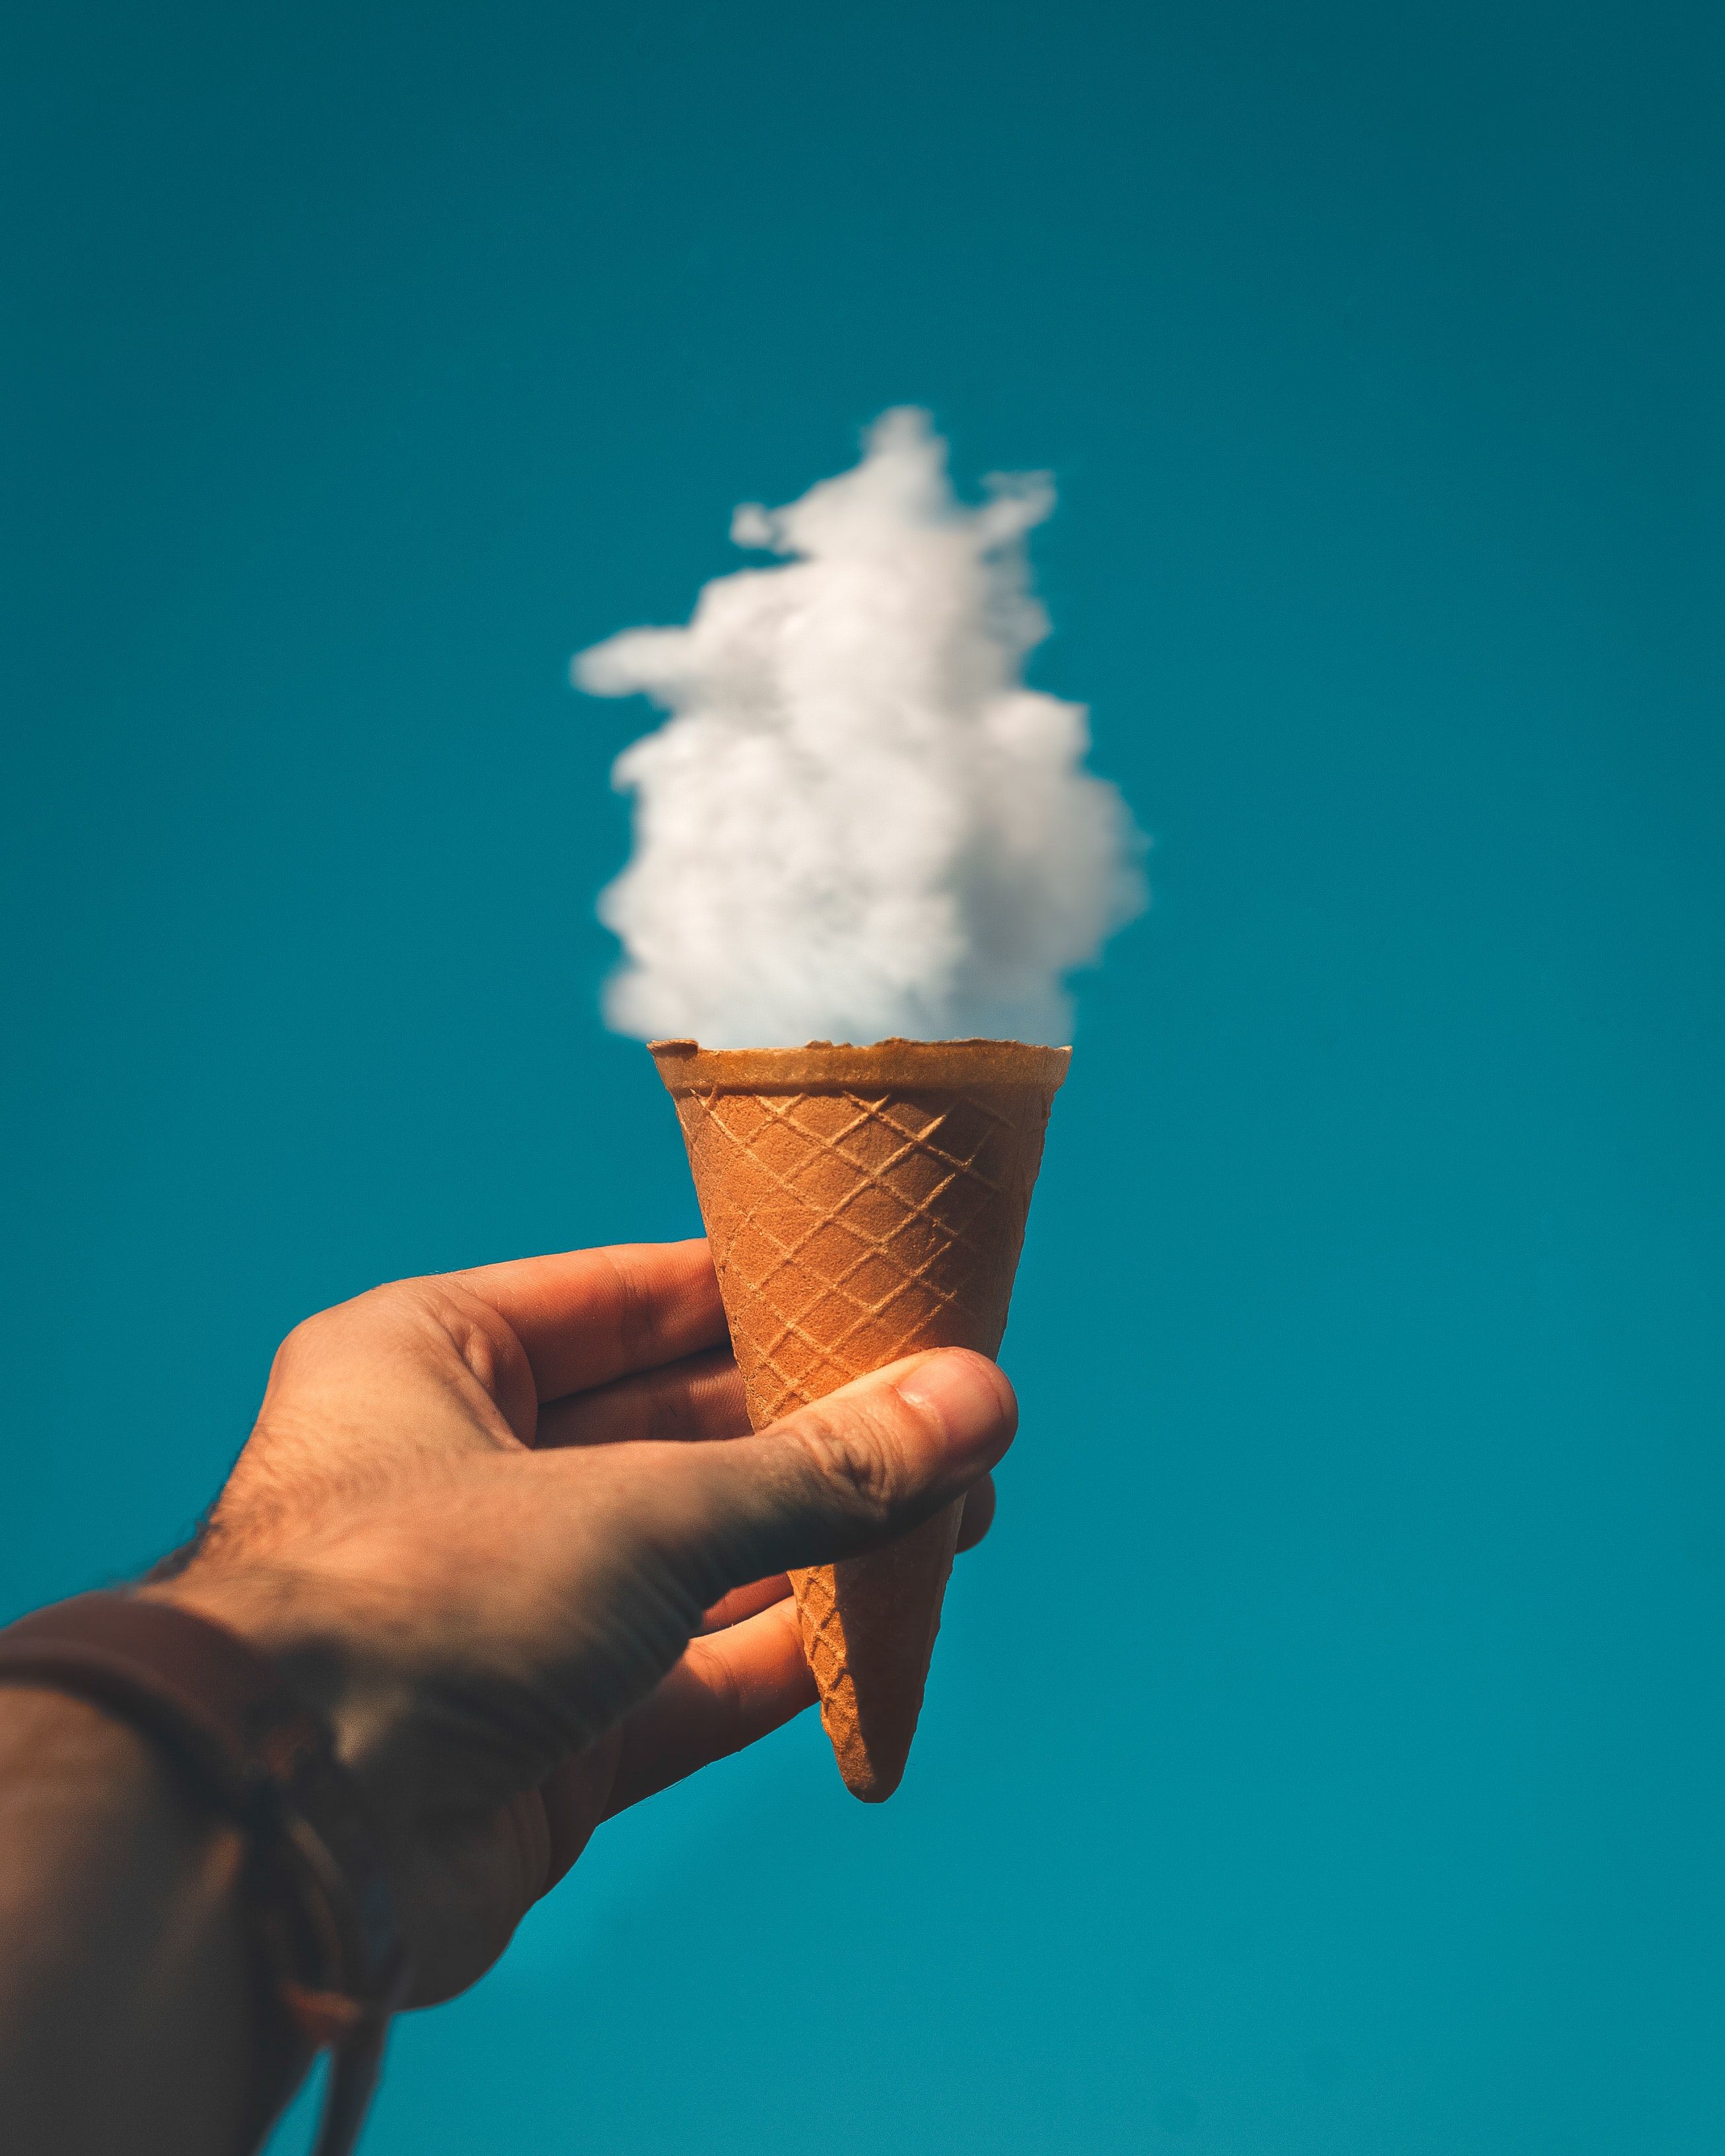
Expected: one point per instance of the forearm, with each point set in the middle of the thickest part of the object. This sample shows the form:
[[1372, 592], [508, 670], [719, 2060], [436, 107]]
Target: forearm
[[131, 2016]]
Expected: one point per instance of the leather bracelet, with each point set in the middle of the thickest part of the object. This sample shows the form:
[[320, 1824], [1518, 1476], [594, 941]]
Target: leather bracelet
[[222, 1712]]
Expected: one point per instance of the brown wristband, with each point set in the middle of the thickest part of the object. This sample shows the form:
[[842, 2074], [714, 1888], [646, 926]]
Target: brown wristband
[[224, 1714]]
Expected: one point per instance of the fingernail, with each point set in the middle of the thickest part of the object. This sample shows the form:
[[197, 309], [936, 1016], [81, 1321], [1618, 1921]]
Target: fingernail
[[967, 1396]]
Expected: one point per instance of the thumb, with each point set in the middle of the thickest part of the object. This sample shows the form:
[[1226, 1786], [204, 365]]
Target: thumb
[[859, 1467]]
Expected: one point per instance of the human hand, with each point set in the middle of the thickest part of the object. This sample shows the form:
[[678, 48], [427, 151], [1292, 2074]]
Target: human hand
[[508, 1528]]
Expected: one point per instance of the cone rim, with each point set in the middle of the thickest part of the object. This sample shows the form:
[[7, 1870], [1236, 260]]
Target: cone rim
[[917, 1065]]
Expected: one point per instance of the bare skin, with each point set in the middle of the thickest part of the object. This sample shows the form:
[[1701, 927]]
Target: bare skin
[[509, 1530]]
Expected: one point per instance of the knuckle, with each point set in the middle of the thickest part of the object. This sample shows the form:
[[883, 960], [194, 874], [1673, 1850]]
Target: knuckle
[[309, 1333], [300, 1347], [639, 1316], [726, 1694], [449, 1306], [854, 1460]]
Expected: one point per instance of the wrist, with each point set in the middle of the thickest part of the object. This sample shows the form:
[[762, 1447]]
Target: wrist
[[303, 1886], [65, 1762], [128, 1979], [82, 1788], [320, 1649]]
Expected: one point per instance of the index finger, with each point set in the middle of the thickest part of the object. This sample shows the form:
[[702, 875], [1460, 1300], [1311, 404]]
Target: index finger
[[586, 1317]]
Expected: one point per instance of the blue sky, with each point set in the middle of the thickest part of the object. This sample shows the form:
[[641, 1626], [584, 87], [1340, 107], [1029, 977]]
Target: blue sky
[[1323, 1755]]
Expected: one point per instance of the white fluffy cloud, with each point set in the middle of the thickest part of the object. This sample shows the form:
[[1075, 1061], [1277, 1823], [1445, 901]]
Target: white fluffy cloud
[[858, 821]]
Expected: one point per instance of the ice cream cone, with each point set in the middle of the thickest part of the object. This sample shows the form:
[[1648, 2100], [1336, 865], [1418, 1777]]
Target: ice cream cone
[[863, 1203]]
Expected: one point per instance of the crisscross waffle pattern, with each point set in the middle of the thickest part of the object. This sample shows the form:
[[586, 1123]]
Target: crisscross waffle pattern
[[848, 1229], [851, 1226]]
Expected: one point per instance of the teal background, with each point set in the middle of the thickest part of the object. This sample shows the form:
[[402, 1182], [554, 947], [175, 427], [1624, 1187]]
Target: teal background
[[1324, 1754]]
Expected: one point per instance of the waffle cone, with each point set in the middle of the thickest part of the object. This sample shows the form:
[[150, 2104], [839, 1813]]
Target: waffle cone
[[863, 1203]]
